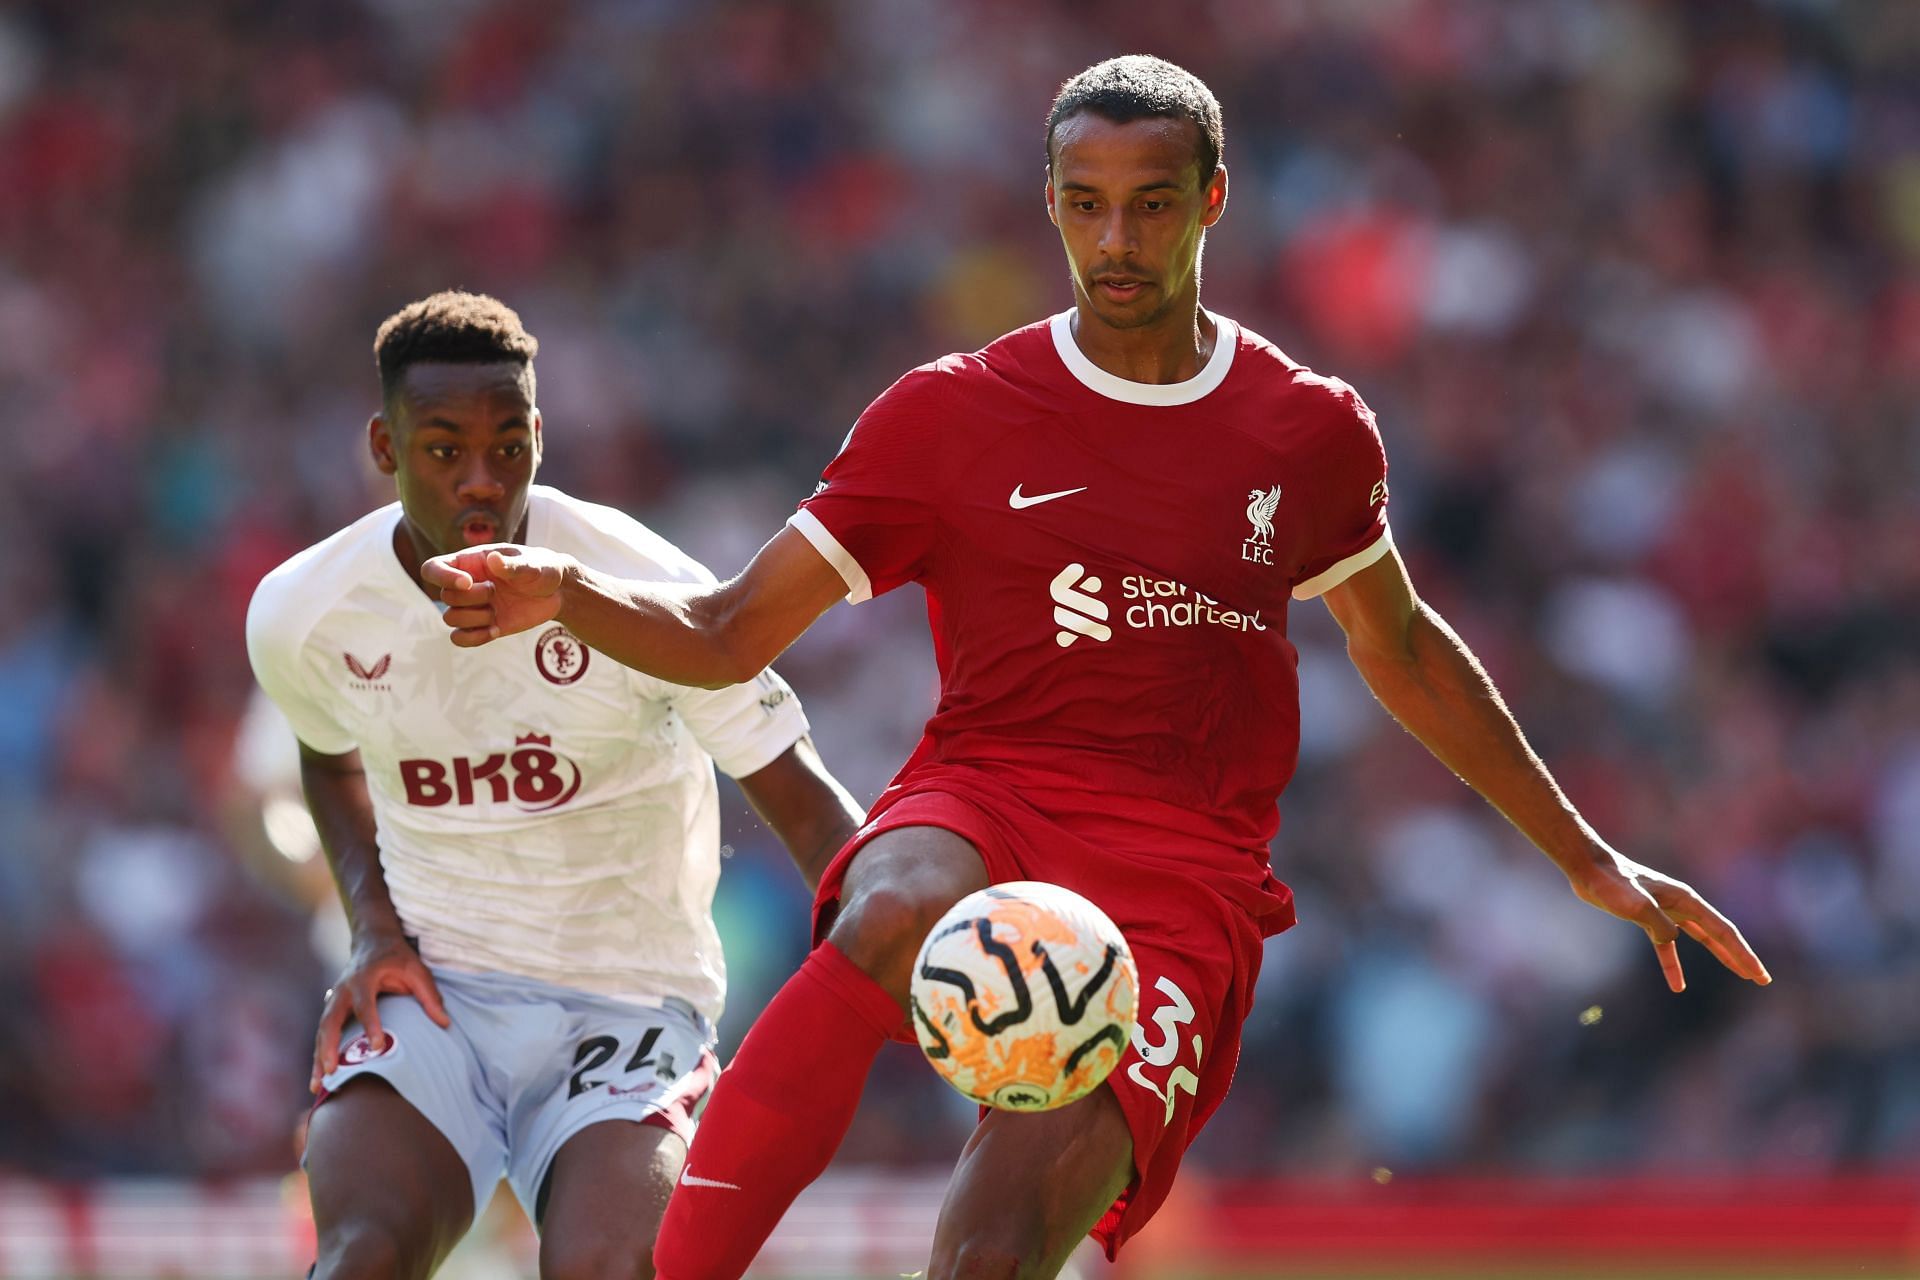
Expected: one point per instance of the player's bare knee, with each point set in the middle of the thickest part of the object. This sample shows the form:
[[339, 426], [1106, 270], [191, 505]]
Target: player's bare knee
[[896, 889], [604, 1257], [368, 1251], [881, 928]]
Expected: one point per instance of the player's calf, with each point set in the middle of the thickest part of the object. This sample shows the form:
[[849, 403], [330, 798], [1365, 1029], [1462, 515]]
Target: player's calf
[[1029, 1187], [997, 1253], [984, 1261], [897, 887]]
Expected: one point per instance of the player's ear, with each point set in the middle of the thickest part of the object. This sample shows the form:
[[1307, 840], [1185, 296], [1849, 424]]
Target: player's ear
[[539, 440], [1216, 197], [380, 445], [1050, 218]]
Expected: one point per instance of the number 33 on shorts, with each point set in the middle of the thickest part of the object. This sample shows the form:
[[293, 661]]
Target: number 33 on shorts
[[1168, 1020]]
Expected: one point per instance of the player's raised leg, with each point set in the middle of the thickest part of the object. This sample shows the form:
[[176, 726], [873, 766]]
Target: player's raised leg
[[606, 1196], [784, 1103], [1029, 1187], [897, 887], [391, 1196]]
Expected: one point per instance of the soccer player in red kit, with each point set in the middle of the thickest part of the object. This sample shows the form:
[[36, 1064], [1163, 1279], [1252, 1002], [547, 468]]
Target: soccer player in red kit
[[1109, 512]]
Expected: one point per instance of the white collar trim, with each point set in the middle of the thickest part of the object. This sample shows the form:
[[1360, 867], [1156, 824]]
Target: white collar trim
[[1091, 375]]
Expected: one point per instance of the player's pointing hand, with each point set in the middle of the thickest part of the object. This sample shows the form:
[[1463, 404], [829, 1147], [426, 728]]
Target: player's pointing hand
[[1665, 908], [496, 590]]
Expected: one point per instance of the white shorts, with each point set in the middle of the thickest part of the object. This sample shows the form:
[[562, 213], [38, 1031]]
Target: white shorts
[[526, 1065]]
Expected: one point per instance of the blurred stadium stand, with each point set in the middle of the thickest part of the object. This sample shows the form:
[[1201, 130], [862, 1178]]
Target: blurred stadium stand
[[1631, 285]]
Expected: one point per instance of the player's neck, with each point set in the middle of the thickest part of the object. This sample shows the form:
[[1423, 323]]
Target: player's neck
[[1164, 352], [410, 557]]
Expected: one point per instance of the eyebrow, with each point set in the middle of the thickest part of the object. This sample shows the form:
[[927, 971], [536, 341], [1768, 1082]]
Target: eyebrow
[[1165, 184], [517, 421]]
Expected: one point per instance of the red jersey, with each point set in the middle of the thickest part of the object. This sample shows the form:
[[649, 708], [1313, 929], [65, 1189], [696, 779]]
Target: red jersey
[[1107, 567]]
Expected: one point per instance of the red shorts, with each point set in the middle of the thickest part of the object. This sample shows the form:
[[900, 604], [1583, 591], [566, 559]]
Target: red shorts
[[1198, 956]]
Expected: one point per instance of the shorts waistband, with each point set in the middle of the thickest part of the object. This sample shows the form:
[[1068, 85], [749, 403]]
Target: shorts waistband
[[538, 988]]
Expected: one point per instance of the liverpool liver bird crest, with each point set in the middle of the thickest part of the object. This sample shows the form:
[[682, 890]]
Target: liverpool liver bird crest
[[1260, 510]]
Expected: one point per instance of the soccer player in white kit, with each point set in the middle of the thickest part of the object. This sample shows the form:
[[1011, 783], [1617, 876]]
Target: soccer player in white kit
[[526, 839]]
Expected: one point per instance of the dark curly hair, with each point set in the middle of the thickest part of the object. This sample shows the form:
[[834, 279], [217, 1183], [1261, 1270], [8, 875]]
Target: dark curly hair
[[1139, 87], [452, 327]]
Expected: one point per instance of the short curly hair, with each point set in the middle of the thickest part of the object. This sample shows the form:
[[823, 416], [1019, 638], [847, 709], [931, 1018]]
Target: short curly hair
[[451, 327], [1139, 86]]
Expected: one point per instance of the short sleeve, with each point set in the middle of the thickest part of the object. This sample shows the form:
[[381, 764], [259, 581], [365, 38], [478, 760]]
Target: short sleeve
[[873, 515], [744, 727], [275, 655], [1348, 526]]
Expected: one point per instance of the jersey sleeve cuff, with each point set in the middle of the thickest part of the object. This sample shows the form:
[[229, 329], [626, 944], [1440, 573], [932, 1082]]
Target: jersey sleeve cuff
[[764, 750], [1321, 583], [809, 527]]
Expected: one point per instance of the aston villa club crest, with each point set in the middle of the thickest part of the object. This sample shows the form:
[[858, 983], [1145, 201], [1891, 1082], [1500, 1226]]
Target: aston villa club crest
[[362, 1049], [1261, 504], [560, 658]]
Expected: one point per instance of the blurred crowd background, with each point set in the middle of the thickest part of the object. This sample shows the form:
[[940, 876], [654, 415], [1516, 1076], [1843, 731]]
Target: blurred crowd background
[[1633, 287]]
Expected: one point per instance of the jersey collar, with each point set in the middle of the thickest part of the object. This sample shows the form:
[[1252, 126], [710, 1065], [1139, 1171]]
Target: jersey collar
[[537, 536], [1091, 375]]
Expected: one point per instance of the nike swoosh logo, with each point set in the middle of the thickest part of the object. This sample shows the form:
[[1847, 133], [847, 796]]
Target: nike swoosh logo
[[693, 1181], [1020, 501]]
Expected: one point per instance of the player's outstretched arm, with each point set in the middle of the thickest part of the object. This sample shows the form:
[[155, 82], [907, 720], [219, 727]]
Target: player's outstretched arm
[[805, 806], [382, 961], [706, 636], [1426, 676]]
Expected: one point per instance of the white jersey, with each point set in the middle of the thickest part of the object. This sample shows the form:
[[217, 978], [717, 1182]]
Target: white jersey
[[542, 810]]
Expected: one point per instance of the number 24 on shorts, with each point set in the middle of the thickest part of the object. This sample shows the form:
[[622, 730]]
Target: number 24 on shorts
[[597, 1051], [1167, 1020]]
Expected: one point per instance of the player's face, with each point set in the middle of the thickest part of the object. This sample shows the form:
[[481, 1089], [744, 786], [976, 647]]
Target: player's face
[[462, 446], [1132, 209]]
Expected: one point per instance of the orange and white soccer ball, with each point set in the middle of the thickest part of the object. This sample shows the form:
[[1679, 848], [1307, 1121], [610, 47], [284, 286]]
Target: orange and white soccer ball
[[1023, 996]]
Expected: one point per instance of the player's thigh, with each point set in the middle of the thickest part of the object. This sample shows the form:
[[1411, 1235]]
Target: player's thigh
[[390, 1194], [896, 887], [1029, 1187], [607, 1193]]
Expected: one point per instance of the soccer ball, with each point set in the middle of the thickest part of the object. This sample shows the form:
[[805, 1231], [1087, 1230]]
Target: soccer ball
[[1023, 996]]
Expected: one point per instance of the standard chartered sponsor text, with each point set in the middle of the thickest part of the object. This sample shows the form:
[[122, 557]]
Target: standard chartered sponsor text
[[1165, 603]]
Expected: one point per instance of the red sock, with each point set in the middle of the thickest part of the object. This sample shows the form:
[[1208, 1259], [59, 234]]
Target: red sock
[[777, 1116]]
